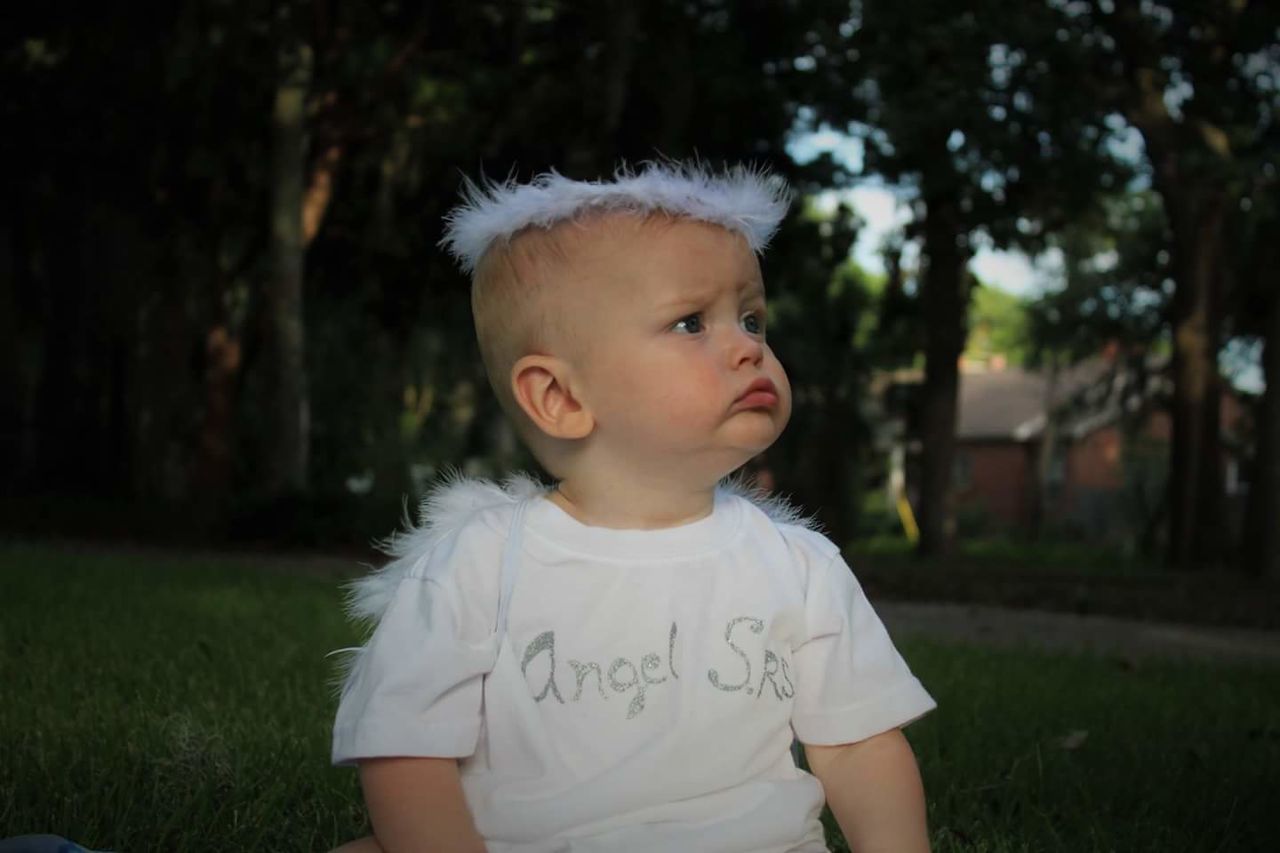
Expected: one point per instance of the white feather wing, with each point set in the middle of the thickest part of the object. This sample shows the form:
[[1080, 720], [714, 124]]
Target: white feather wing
[[446, 507], [449, 504]]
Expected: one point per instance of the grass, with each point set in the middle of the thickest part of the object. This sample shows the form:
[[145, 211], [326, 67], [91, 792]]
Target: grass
[[1049, 555], [151, 703], [1072, 577]]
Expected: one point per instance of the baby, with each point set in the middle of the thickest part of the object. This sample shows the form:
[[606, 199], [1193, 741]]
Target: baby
[[622, 662]]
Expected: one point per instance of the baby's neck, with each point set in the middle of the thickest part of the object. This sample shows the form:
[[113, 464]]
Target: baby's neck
[[633, 506]]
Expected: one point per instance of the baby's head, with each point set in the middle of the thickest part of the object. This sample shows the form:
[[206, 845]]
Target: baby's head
[[621, 323]]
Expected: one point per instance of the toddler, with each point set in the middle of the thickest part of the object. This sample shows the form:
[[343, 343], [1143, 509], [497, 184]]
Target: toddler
[[621, 662]]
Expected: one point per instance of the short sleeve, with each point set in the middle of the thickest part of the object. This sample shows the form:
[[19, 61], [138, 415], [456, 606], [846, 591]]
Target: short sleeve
[[415, 689], [851, 683]]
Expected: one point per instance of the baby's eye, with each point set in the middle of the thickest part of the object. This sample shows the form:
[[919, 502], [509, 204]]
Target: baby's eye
[[690, 325], [753, 322]]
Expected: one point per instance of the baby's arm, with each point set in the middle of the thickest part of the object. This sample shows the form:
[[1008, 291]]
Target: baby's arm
[[873, 787], [417, 804]]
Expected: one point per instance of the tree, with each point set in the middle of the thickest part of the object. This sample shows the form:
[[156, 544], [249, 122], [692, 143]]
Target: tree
[[158, 326], [999, 326], [818, 304], [975, 109], [1198, 81], [1114, 298], [288, 444], [1255, 312]]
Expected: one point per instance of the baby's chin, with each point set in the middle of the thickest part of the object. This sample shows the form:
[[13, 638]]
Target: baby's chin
[[759, 428], [751, 443]]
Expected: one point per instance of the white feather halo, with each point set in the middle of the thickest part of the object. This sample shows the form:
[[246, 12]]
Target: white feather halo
[[748, 200]]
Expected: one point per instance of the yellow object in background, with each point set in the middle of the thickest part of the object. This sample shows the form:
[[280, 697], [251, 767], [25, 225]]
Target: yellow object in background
[[908, 518]]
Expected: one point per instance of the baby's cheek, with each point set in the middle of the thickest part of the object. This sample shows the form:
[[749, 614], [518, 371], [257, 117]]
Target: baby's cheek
[[779, 375], [783, 385]]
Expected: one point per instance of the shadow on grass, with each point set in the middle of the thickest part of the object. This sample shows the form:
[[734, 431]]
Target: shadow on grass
[[1063, 577]]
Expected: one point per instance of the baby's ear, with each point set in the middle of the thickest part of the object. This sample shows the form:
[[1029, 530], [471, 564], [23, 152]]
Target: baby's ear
[[542, 388]]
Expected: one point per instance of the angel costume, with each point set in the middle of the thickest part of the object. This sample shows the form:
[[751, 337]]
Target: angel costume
[[620, 690]]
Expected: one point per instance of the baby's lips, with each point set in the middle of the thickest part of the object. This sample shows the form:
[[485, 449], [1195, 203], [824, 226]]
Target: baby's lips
[[760, 394]]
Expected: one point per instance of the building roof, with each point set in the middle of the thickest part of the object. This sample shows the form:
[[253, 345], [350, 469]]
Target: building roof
[[995, 404], [1009, 403]]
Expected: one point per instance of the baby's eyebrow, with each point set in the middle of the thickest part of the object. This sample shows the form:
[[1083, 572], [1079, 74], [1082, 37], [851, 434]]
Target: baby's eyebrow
[[752, 288]]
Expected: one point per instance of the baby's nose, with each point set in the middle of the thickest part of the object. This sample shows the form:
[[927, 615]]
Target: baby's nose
[[747, 348]]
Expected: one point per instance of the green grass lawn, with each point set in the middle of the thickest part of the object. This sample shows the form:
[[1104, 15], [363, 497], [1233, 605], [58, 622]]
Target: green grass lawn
[[1002, 552], [154, 704]]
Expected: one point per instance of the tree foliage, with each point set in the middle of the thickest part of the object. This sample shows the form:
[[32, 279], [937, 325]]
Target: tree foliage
[[1199, 82], [148, 357], [970, 106]]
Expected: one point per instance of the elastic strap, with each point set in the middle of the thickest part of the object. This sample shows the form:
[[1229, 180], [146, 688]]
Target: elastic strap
[[510, 566]]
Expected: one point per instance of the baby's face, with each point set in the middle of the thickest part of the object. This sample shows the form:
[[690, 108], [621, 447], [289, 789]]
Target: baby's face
[[669, 318]]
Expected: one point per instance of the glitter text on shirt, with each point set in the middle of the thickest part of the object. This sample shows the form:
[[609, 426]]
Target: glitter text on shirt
[[624, 676]]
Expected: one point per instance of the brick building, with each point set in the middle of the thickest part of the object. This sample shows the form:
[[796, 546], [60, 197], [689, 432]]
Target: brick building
[[1083, 453]]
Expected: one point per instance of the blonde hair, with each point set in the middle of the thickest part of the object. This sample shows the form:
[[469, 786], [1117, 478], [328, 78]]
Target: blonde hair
[[513, 305]]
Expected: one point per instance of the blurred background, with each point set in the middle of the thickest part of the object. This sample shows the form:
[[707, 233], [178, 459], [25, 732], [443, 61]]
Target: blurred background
[[1026, 295]]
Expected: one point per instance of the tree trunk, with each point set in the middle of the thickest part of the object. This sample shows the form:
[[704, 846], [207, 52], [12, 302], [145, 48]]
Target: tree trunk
[[1263, 546], [13, 416], [212, 474], [315, 202], [1046, 449], [945, 299], [287, 445], [1195, 463], [594, 152], [679, 88], [1193, 163], [832, 465]]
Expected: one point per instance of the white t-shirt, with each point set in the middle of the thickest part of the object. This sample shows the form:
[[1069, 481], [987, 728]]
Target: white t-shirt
[[623, 690]]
